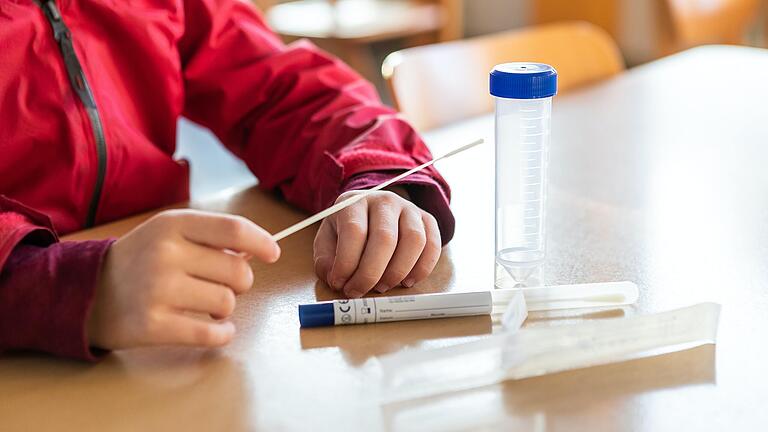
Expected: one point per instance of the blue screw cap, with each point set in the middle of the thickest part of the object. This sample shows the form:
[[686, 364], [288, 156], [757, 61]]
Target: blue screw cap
[[522, 80], [316, 315]]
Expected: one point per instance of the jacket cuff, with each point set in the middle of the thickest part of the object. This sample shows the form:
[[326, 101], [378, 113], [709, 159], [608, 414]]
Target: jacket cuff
[[19, 223], [423, 190], [46, 295]]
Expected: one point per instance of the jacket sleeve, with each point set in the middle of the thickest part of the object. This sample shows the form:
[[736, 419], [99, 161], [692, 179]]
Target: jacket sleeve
[[305, 124], [46, 287]]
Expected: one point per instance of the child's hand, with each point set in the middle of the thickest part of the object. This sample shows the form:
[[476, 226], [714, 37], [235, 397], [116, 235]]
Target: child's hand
[[377, 243], [176, 262]]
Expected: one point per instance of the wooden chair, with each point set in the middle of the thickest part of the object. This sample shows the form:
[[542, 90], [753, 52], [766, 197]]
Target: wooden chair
[[603, 13], [442, 83], [348, 27], [646, 30], [696, 22]]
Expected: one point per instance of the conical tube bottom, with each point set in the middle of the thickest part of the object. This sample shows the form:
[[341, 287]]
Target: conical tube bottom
[[520, 264]]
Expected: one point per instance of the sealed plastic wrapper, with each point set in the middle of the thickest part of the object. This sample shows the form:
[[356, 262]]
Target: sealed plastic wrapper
[[544, 350]]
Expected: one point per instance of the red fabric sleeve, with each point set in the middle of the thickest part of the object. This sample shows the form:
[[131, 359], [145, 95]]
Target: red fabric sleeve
[[304, 122], [46, 288], [423, 190], [18, 222]]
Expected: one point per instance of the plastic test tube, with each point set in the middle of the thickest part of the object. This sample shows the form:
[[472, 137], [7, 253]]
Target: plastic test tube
[[370, 310], [523, 96]]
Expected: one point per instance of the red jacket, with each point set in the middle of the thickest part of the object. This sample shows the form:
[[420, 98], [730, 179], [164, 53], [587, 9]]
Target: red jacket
[[82, 148]]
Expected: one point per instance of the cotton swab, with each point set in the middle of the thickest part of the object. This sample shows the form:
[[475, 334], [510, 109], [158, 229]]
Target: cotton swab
[[348, 202], [574, 296]]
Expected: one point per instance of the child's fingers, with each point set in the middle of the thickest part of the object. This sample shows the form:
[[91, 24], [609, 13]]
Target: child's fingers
[[324, 251], [381, 244], [219, 267], [178, 329], [411, 240], [236, 233], [352, 231], [202, 296], [429, 256]]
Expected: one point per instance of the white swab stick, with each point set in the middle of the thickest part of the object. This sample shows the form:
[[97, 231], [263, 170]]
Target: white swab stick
[[351, 200]]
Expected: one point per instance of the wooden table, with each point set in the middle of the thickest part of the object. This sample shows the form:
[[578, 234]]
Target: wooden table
[[658, 176]]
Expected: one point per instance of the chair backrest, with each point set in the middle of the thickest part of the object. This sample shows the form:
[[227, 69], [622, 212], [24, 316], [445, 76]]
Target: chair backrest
[[437, 84], [696, 22]]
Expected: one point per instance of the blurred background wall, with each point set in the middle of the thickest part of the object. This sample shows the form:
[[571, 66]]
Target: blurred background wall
[[363, 32], [488, 16]]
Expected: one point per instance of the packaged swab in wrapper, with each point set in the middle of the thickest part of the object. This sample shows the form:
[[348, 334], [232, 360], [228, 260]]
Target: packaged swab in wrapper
[[538, 351]]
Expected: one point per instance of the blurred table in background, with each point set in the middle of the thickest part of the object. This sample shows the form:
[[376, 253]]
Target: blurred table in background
[[657, 176], [347, 28]]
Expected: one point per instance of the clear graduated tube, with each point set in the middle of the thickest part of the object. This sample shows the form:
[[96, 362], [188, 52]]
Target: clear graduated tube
[[522, 148]]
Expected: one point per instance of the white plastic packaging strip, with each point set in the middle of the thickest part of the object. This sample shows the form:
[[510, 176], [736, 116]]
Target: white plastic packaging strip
[[544, 350]]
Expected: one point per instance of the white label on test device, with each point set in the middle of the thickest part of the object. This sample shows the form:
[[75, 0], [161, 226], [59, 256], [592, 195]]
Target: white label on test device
[[401, 308]]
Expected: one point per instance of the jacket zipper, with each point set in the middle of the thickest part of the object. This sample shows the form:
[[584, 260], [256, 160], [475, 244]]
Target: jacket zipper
[[80, 84]]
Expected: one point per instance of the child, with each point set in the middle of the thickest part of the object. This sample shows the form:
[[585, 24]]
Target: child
[[90, 92]]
